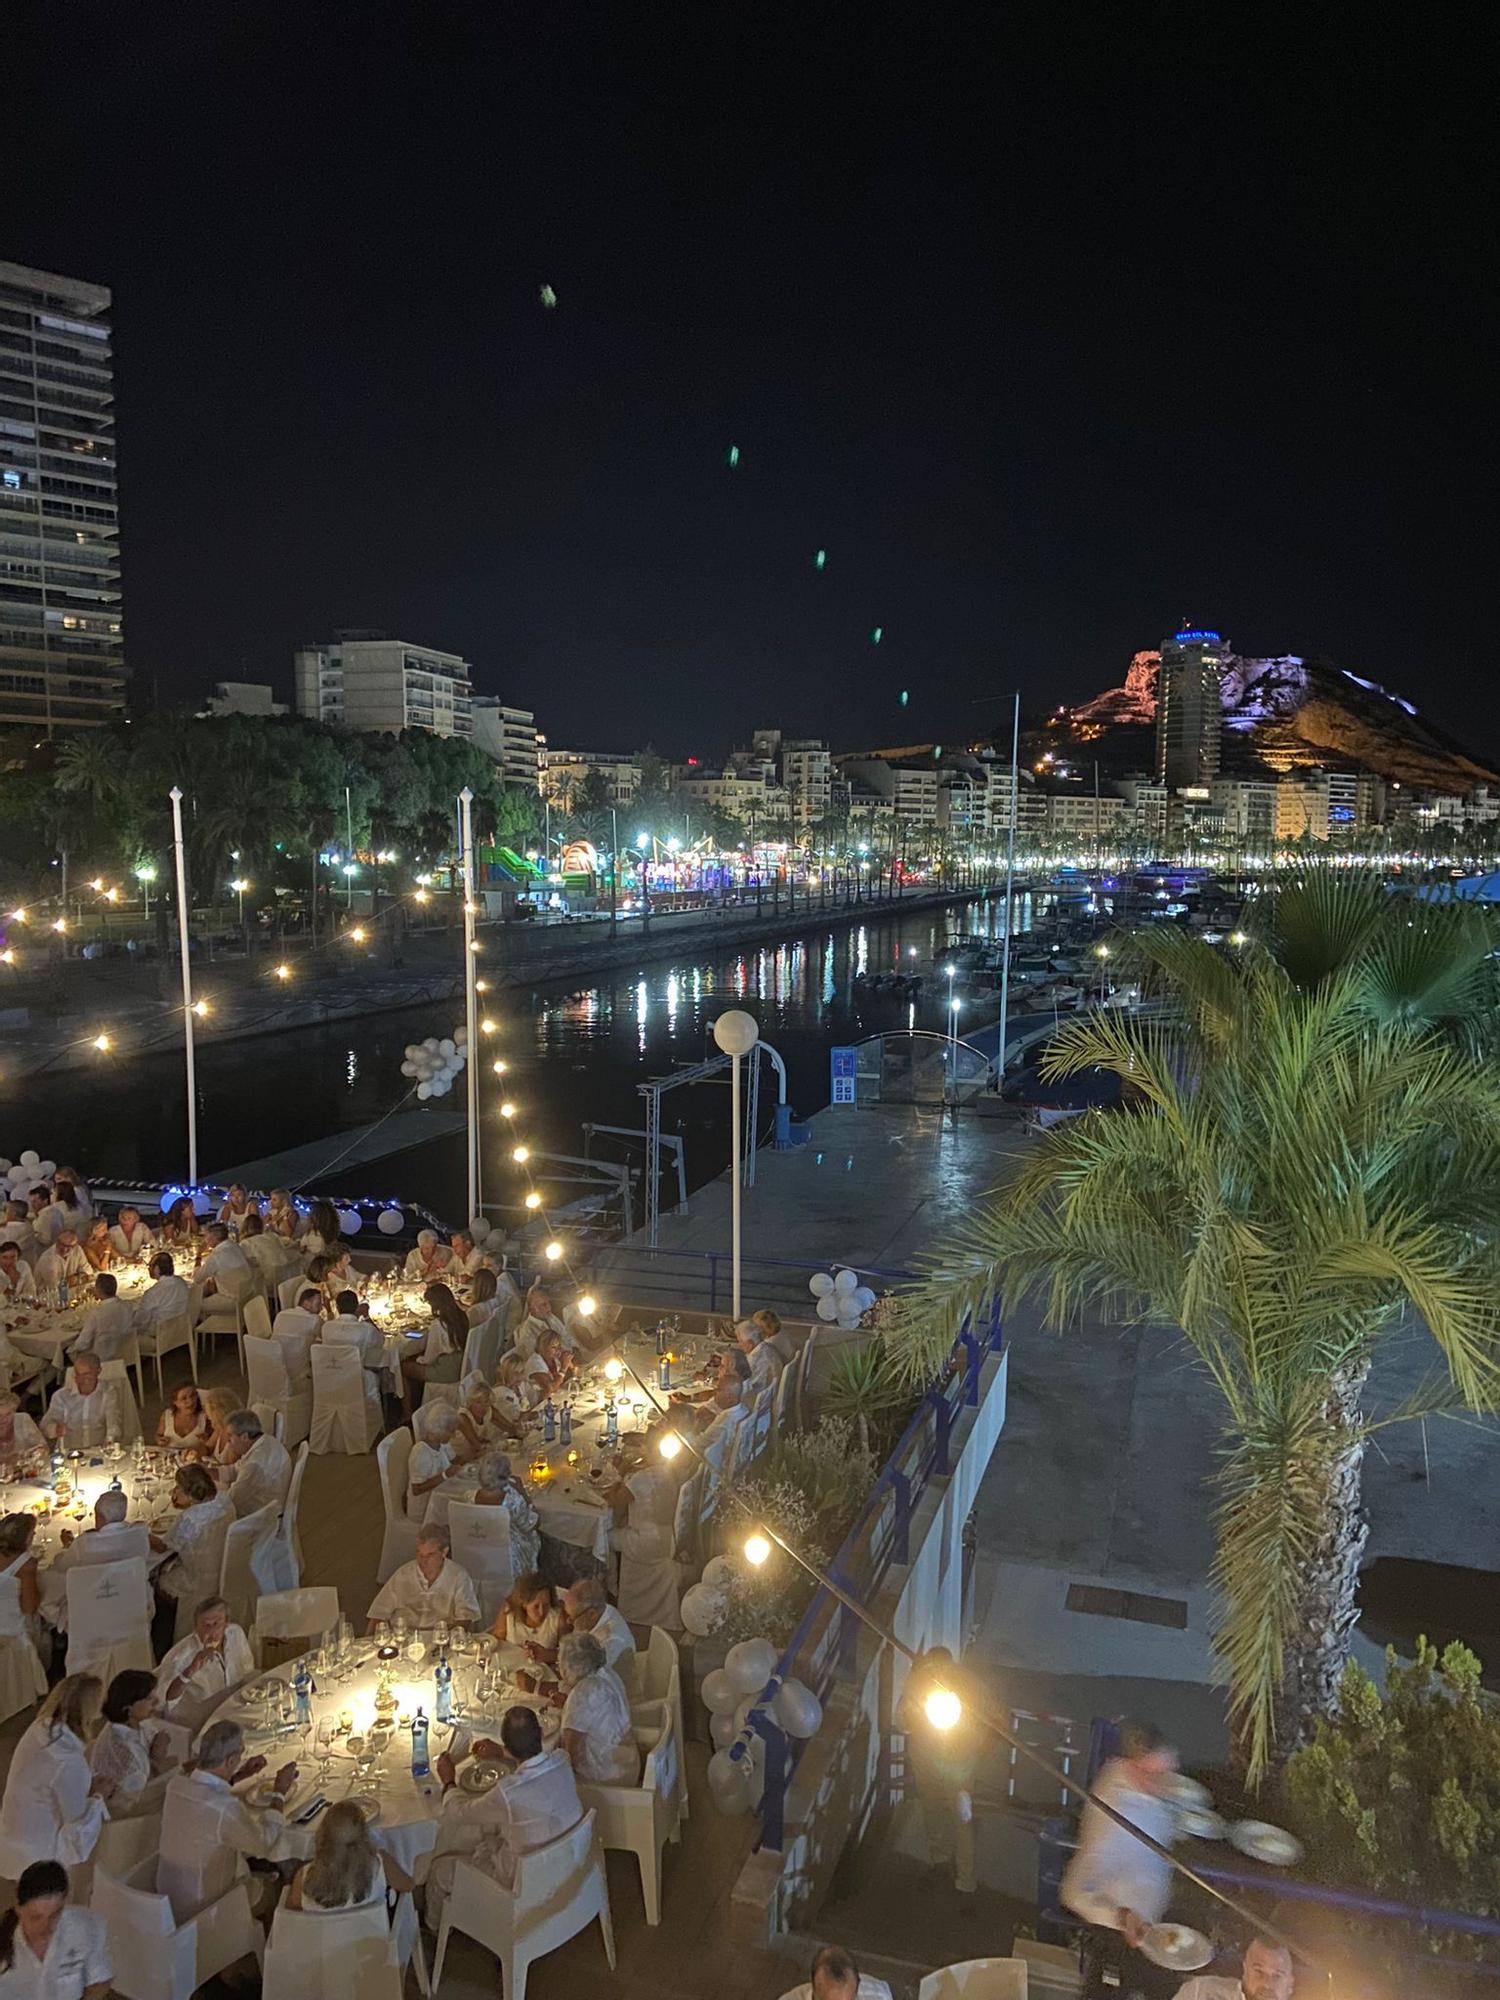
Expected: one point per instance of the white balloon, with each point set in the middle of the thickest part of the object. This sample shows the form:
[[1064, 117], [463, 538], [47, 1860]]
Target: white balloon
[[820, 1284], [720, 1695], [827, 1308], [349, 1221], [424, 1091], [864, 1298], [797, 1709], [408, 1069], [849, 1317], [447, 1045], [47, 1169], [750, 1664], [31, 1158], [479, 1227], [846, 1281], [701, 1611], [412, 1051], [718, 1573], [721, 1729], [730, 1783], [389, 1221], [4, 1166]]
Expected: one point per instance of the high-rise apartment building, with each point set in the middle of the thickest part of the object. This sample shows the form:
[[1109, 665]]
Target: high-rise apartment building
[[1189, 713], [509, 735], [363, 680], [62, 661], [806, 773]]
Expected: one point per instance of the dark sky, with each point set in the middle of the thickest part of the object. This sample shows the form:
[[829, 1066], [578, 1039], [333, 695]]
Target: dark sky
[[1051, 332]]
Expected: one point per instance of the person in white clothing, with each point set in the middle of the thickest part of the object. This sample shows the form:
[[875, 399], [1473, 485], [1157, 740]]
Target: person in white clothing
[[166, 1298], [256, 1467], [1118, 1885], [464, 1258], [18, 1432], [54, 1805], [431, 1590], [16, 1228], [728, 1410], [62, 1263], [264, 1252], [39, 1215], [765, 1362], [589, 1610], [87, 1411], [201, 1519], [596, 1720], [835, 1976], [347, 1870], [111, 1539], [1266, 1973], [16, 1281], [226, 1268], [51, 1949], [644, 1501], [106, 1326], [129, 1238], [427, 1261], [208, 1831], [202, 1668], [433, 1457], [535, 1803], [131, 1756], [350, 1328], [295, 1331], [538, 1321]]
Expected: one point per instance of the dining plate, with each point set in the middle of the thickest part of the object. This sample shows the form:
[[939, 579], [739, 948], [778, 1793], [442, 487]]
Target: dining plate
[[1177, 1947], [477, 1779], [1202, 1823], [1179, 1790], [368, 1804], [1264, 1842]]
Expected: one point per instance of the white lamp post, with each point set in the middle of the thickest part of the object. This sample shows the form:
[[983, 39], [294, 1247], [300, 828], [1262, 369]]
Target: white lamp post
[[471, 995], [187, 984], [736, 1034]]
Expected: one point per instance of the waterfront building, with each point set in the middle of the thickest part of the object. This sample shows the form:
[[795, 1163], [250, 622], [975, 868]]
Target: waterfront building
[[509, 735], [806, 770], [740, 795], [1147, 799], [1302, 806], [242, 698], [1075, 815], [908, 786], [1249, 808], [563, 772], [62, 658], [1189, 708], [364, 680]]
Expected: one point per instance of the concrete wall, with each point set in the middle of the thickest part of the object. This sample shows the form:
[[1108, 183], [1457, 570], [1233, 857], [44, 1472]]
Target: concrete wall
[[839, 1784]]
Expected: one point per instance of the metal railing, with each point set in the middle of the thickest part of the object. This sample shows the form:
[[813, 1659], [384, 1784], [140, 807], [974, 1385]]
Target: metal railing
[[682, 1279]]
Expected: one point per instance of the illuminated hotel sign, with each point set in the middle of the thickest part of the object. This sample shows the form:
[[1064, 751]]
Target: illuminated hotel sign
[[1197, 638]]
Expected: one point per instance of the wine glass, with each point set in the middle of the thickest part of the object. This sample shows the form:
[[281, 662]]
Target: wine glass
[[326, 1729]]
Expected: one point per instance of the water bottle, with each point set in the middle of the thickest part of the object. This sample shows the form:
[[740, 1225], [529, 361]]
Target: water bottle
[[302, 1695], [420, 1768], [549, 1423], [611, 1422], [567, 1423], [664, 1373], [115, 1486], [442, 1673], [62, 1294]]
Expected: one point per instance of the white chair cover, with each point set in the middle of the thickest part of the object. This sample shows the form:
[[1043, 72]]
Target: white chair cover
[[247, 1571], [642, 1818], [345, 1401], [288, 1289], [559, 1890], [155, 1958], [392, 1456], [658, 1677], [294, 1614], [109, 1618], [257, 1318], [976, 1979], [269, 1383], [481, 1545], [164, 1337], [482, 1348]]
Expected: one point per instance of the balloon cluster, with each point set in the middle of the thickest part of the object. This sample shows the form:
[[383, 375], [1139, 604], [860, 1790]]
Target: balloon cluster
[[840, 1296], [30, 1171], [436, 1063], [747, 1683]]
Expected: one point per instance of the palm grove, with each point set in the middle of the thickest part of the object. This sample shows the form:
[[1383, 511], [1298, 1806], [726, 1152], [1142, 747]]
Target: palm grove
[[1308, 1160]]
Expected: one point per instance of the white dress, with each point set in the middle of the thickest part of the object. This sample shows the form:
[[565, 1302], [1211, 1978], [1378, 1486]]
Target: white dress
[[22, 1680], [598, 1709], [649, 1576]]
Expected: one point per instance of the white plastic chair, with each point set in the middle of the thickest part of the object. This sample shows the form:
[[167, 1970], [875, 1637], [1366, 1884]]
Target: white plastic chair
[[289, 1289], [344, 1417], [163, 1337], [392, 1456], [294, 1614], [155, 1957], [267, 1381], [559, 1890], [125, 1843], [481, 1545], [257, 1317], [692, 1514], [331, 1954], [783, 1400], [245, 1570], [284, 1558], [804, 1367], [658, 1677], [976, 1979], [109, 1618], [642, 1818]]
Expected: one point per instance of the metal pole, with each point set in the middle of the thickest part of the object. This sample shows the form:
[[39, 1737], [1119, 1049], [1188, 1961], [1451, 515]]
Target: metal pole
[[471, 996], [349, 857], [737, 1177], [187, 985], [1010, 875]]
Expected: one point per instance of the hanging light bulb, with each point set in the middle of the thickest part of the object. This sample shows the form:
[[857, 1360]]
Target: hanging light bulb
[[588, 1304], [521, 1154], [613, 1369], [533, 1200], [757, 1550], [101, 1043], [507, 1109], [283, 972], [942, 1708], [553, 1251], [500, 1066], [200, 1008], [487, 1026], [670, 1444]]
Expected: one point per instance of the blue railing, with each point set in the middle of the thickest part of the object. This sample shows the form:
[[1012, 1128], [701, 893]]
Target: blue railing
[[824, 1646], [686, 1278]]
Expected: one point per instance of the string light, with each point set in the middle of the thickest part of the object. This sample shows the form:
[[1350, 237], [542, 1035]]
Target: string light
[[283, 972], [500, 1066], [553, 1251], [97, 885], [481, 986], [521, 1154], [421, 896], [357, 935], [7, 957], [669, 1444], [533, 1200], [487, 1026], [507, 1109], [101, 1043], [942, 1708], [200, 1008], [588, 1305], [757, 1550], [60, 925], [613, 1369], [111, 895], [18, 916]]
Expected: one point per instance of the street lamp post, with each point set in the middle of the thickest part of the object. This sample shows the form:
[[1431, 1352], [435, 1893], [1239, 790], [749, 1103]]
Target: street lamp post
[[471, 994], [736, 1034], [187, 984], [614, 869]]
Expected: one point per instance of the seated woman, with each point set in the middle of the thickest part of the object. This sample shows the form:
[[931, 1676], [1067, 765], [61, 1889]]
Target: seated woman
[[124, 1752], [179, 1230], [529, 1627], [184, 1421], [235, 1207], [281, 1216], [441, 1358], [18, 1432], [347, 1869], [133, 1241], [498, 1487], [549, 1368], [596, 1725], [476, 1424], [219, 1405], [320, 1233], [512, 1396], [433, 1457], [201, 1519], [97, 1247]]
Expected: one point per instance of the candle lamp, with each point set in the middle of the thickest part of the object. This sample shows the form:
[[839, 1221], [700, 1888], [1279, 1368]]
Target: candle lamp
[[385, 1700], [539, 1468]]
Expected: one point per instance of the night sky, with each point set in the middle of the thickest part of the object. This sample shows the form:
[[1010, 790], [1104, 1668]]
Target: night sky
[[1051, 335]]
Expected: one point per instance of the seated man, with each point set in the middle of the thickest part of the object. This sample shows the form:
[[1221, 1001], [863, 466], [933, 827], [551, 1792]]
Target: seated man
[[130, 1238], [201, 1669], [225, 1271], [111, 1539], [208, 1831], [464, 1257], [589, 1610], [86, 1410], [14, 1228], [63, 1263], [295, 1331], [427, 1261], [727, 1411], [106, 1327], [165, 1298], [16, 1282], [1266, 1973], [350, 1327], [765, 1362], [536, 1803], [256, 1467], [835, 1976], [431, 1590]]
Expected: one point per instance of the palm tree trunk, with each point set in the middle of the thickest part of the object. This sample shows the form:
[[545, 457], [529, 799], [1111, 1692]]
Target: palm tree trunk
[[1329, 1609]]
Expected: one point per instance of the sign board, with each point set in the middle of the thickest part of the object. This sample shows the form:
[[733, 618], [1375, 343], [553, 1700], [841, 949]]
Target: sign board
[[841, 1076]]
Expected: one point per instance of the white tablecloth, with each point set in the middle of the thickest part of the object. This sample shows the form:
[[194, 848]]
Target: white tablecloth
[[47, 1331], [148, 1496]]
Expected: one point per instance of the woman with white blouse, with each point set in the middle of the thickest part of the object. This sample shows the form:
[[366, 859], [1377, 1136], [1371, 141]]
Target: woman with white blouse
[[184, 1421], [54, 1803], [596, 1725], [529, 1627], [433, 1457], [122, 1751], [201, 1519]]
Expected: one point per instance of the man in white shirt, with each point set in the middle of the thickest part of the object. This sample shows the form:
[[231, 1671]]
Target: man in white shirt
[[1118, 1885], [226, 1268], [165, 1299], [256, 1468], [295, 1331], [130, 1238], [350, 1328], [111, 1539], [835, 1976], [58, 1950], [432, 1590], [45, 1220], [87, 1410], [463, 1256], [16, 1282], [428, 1261], [589, 1610], [1267, 1973], [202, 1668], [536, 1803], [63, 1263], [718, 1439], [208, 1831], [14, 1228], [106, 1326]]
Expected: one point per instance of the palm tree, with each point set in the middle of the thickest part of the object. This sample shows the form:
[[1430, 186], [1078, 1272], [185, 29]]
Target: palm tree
[[1311, 1152]]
